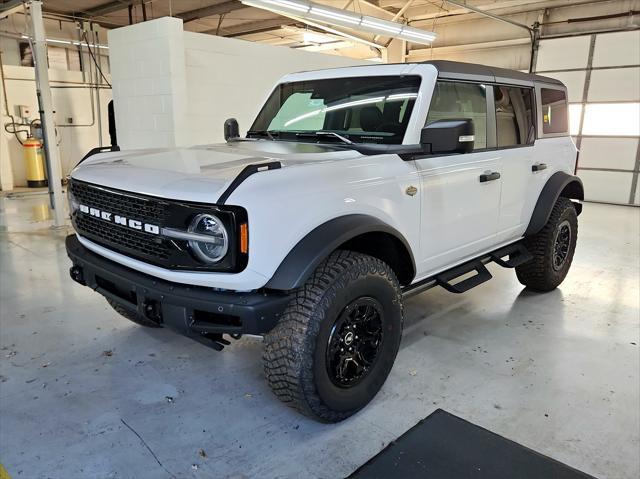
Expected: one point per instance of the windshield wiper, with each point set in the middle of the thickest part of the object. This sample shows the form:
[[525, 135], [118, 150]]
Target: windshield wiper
[[343, 139], [268, 133]]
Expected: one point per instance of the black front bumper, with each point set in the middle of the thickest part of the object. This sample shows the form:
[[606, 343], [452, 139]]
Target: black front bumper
[[193, 311]]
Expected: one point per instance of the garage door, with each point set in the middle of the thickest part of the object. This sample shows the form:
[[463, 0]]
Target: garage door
[[602, 74]]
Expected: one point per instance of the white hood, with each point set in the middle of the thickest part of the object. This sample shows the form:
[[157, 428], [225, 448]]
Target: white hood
[[199, 174]]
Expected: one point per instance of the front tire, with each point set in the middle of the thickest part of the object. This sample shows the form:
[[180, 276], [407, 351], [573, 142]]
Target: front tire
[[552, 249], [338, 338]]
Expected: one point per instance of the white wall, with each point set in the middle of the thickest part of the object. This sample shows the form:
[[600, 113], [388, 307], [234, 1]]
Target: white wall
[[75, 103], [176, 88], [232, 78]]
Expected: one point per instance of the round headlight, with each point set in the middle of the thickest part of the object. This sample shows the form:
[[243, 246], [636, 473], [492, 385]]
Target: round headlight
[[209, 250]]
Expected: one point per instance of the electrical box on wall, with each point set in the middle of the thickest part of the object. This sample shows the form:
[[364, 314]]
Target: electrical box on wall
[[24, 111]]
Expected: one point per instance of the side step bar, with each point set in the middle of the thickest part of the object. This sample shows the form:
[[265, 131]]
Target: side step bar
[[482, 275], [515, 253]]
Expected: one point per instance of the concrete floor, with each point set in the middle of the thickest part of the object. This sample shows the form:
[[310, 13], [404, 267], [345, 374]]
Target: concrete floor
[[558, 373]]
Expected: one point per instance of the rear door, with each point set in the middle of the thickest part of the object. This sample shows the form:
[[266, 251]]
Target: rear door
[[460, 192], [515, 138]]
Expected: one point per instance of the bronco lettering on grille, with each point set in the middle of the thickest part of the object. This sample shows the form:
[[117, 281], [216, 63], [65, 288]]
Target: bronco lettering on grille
[[120, 220]]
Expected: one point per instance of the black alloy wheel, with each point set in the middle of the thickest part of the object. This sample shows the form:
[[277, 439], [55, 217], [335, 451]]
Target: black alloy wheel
[[561, 245], [355, 342]]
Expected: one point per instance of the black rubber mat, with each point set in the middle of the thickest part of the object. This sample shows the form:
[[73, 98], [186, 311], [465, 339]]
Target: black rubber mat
[[444, 446]]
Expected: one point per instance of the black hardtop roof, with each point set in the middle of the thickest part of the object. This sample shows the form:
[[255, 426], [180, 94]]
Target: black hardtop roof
[[474, 71], [448, 69]]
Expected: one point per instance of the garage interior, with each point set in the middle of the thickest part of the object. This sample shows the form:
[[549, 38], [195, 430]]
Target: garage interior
[[84, 393]]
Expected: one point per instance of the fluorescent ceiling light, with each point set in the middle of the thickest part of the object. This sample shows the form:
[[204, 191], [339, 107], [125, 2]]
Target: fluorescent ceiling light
[[300, 7], [334, 15], [344, 18], [416, 36], [381, 26]]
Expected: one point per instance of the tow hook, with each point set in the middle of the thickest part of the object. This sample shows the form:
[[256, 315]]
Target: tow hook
[[76, 274], [152, 311]]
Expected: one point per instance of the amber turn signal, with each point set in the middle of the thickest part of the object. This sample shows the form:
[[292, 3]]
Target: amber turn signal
[[244, 238]]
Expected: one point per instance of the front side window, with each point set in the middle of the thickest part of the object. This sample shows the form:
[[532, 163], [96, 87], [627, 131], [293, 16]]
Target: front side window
[[554, 111], [361, 109], [514, 116], [458, 101]]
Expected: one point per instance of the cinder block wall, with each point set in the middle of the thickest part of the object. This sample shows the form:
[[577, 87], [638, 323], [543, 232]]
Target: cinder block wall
[[149, 83], [232, 78], [176, 88]]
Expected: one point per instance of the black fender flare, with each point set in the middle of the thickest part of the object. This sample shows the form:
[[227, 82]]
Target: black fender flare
[[318, 244], [559, 184]]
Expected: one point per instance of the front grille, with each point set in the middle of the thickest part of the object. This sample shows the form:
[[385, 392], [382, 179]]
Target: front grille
[[119, 236], [146, 209], [143, 244]]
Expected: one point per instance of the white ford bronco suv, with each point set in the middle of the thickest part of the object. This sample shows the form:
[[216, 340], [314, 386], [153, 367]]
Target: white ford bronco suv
[[353, 189]]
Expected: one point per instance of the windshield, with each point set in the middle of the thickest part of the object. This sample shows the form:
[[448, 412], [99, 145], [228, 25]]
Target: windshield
[[360, 109]]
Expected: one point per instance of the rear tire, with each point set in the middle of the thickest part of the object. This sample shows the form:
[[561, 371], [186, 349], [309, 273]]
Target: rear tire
[[552, 249], [337, 340], [131, 316]]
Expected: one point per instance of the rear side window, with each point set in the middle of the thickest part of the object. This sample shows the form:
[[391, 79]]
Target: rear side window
[[554, 111], [514, 116], [458, 101]]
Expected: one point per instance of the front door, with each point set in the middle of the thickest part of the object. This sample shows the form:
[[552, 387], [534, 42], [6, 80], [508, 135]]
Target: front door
[[460, 207], [461, 192]]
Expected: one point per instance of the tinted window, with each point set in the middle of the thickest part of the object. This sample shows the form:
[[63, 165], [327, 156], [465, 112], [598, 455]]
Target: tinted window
[[367, 110], [554, 111], [514, 116], [453, 101]]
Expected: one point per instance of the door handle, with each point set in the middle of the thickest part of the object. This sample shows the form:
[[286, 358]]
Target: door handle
[[539, 167], [494, 175]]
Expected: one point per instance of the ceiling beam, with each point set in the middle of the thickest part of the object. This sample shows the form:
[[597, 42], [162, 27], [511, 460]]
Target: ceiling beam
[[458, 3], [110, 7], [10, 7], [505, 7], [254, 27], [211, 10], [55, 14]]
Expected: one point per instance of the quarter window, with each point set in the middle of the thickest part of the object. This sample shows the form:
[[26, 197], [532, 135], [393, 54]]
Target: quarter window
[[514, 116], [554, 111], [458, 101]]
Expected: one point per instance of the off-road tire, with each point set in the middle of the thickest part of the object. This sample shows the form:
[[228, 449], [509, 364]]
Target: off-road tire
[[295, 351], [135, 317], [539, 274]]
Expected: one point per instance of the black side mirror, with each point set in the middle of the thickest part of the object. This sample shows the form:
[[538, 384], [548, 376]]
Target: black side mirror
[[231, 129], [448, 136]]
